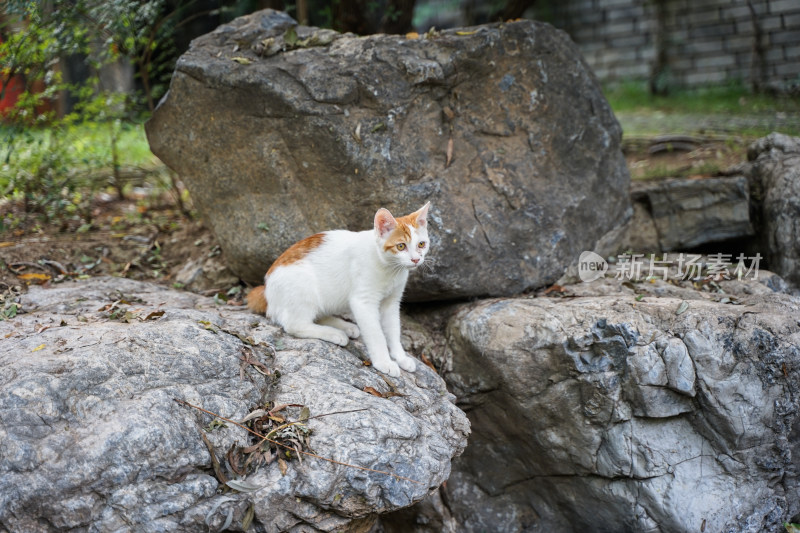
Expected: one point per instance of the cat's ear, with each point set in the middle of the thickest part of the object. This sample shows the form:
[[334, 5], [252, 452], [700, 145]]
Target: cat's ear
[[421, 215], [384, 222]]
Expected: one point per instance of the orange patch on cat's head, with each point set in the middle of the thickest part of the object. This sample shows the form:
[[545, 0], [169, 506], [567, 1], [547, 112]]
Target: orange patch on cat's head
[[418, 219], [400, 234], [297, 251], [386, 223]]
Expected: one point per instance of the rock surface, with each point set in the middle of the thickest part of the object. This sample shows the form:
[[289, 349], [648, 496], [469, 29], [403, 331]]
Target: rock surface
[[502, 127], [688, 213], [775, 177], [601, 412], [205, 274], [88, 414]]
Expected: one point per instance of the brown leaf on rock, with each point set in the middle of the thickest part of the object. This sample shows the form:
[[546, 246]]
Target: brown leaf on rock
[[153, 315], [278, 408], [34, 277], [427, 362], [556, 290], [373, 391], [449, 153], [214, 461], [234, 460]]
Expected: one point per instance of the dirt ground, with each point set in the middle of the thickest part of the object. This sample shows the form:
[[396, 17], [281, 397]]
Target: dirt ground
[[154, 240], [126, 239], [683, 156]]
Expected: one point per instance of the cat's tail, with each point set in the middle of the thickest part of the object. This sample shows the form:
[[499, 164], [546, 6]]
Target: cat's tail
[[256, 301]]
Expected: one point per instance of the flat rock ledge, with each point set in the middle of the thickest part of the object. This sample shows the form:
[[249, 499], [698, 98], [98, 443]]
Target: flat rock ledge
[[93, 439]]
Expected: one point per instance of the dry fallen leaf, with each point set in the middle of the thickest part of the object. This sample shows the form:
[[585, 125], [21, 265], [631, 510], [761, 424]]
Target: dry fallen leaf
[[373, 391], [449, 153], [6, 244], [155, 314], [282, 466], [241, 60], [41, 346], [427, 361], [277, 408], [412, 35], [248, 517], [33, 276]]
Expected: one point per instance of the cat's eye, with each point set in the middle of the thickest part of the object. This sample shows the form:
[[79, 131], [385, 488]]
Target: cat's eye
[[401, 246], [421, 245]]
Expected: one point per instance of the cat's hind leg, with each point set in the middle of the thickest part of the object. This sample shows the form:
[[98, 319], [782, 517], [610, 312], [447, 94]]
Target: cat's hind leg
[[339, 323], [300, 323], [310, 330]]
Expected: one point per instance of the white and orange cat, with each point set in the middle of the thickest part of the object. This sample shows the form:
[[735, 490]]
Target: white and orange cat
[[338, 272]]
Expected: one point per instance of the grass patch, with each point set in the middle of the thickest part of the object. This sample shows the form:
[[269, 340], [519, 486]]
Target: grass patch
[[661, 171], [85, 147], [55, 174], [634, 96], [725, 110]]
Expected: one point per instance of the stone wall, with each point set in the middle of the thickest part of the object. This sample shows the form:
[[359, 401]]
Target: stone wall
[[704, 42]]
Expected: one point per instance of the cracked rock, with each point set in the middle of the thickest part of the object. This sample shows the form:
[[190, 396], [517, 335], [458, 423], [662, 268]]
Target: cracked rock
[[775, 181], [604, 413]]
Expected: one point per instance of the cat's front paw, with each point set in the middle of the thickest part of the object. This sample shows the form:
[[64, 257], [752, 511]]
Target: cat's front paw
[[403, 360], [406, 363], [387, 367]]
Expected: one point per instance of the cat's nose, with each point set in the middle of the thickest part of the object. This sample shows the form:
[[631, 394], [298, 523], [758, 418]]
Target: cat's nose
[[415, 261]]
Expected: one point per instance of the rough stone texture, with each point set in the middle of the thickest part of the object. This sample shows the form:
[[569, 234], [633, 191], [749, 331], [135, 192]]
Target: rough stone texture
[[319, 137], [88, 416], [775, 178], [604, 413], [688, 213], [205, 274], [640, 233]]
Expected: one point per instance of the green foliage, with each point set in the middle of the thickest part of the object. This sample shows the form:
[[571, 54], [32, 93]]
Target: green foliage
[[714, 110], [55, 172], [55, 164]]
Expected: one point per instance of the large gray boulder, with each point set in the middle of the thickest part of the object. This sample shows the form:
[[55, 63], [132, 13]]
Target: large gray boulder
[[676, 410], [92, 438], [775, 179], [281, 131]]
